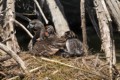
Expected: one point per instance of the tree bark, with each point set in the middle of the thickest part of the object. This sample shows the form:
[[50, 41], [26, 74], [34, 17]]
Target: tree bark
[[114, 9], [83, 26], [104, 24], [104, 20], [8, 27], [58, 19], [1, 18]]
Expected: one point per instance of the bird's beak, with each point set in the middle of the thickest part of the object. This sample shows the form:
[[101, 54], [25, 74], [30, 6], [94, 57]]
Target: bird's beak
[[28, 26], [46, 34]]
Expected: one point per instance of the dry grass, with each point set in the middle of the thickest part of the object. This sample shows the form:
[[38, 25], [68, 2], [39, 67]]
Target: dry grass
[[83, 68]]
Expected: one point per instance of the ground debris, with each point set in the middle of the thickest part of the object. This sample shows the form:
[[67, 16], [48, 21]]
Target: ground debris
[[88, 68]]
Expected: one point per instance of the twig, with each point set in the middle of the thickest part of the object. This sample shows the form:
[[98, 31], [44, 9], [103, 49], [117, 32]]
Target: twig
[[84, 62], [14, 56], [4, 11], [31, 71], [4, 58], [22, 16], [13, 78], [6, 24], [41, 11], [6, 40], [9, 38], [58, 62], [35, 69], [96, 60], [54, 61], [2, 73], [22, 26]]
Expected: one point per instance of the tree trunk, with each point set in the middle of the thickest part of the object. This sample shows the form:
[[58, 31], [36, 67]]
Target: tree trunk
[[106, 37], [58, 19], [83, 26], [9, 32], [60, 7], [105, 24], [114, 7]]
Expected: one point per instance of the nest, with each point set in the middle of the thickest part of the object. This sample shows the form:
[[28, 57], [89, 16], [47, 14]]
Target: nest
[[47, 47], [59, 68]]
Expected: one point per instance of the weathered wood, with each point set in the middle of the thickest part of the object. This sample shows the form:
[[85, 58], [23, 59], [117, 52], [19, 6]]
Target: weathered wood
[[41, 2], [60, 7], [104, 20], [114, 11], [4, 58], [36, 2], [55, 61], [111, 31], [104, 24], [1, 18], [24, 28], [83, 26], [22, 16], [118, 3], [58, 19], [9, 27], [22, 74], [91, 14], [14, 56]]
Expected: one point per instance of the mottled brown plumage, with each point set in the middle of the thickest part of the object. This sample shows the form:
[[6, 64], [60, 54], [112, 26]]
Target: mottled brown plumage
[[44, 47]]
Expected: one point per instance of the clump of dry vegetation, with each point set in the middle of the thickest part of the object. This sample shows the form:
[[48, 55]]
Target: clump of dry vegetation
[[26, 66], [56, 68]]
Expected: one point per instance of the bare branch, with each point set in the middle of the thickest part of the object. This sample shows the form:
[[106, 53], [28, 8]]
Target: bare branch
[[6, 40], [14, 56], [22, 16], [55, 61], [4, 58], [31, 71], [6, 24], [22, 26], [36, 2]]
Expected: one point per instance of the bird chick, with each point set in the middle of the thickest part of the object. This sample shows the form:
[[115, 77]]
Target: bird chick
[[73, 44]]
